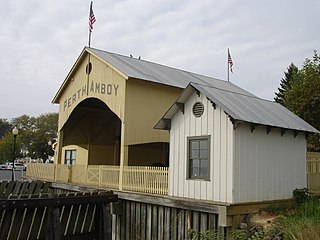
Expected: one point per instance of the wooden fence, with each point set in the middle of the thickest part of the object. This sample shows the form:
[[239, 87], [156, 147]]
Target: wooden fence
[[138, 220], [36, 214], [313, 172], [135, 178]]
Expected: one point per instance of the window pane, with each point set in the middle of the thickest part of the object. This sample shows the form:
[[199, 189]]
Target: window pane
[[204, 172], [204, 144], [204, 154], [194, 153], [194, 168], [195, 163], [194, 144], [68, 153], [204, 163], [73, 154], [204, 168], [194, 171]]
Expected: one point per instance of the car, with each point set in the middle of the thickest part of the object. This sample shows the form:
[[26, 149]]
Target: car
[[17, 166], [3, 166]]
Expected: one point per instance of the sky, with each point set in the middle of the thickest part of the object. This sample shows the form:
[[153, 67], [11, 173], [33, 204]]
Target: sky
[[41, 41]]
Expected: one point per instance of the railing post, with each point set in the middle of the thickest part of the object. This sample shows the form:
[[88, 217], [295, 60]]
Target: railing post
[[69, 173], [100, 176], [54, 172]]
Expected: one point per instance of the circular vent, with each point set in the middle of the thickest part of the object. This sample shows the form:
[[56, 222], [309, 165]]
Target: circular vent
[[198, 109], [89, 68]]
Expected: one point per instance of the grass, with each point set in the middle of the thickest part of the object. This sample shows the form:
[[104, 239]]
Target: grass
[[301, 222]]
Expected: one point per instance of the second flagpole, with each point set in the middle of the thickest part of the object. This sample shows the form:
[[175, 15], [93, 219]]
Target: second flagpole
[[228, 64]]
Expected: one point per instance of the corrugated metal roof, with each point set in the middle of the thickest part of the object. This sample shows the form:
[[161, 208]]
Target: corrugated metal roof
[[246, 108], [145, 70]]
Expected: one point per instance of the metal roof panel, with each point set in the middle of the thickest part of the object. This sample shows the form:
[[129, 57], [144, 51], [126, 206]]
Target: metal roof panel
[[255, 110]]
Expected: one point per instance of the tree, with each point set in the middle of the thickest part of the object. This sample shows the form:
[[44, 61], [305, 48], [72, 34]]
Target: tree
[[32, 140], [6, 148], [286, 84], [5, 127], [46, 127], [303, 98]]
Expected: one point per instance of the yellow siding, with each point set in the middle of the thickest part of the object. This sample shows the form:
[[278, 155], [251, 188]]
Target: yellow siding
[[146, 103], [103, 83], [81, 154]]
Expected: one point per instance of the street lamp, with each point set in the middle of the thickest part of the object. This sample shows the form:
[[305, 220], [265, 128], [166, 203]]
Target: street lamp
[[15, 133]]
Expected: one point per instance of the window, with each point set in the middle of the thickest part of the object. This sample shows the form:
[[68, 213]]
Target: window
[[198, 157], [70, 157]]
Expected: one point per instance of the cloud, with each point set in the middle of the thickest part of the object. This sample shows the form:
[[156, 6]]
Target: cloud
[[41, 40]]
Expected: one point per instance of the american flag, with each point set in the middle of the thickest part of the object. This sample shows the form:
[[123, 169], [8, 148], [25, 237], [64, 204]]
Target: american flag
[[92, 18], [230, 62]]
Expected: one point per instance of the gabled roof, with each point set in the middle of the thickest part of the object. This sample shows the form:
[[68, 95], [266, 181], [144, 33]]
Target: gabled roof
[[154, 72], [141, 69], [242, 108]]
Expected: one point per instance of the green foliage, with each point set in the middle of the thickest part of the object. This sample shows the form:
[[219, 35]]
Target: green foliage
[[208, 235], [300, 195], [5, 127], [304, 223], [304, 96], [286, 84], [33, 137], [255, 233], [300, 92], [6, 148]]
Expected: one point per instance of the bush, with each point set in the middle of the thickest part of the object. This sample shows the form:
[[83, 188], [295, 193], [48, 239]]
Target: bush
[[300, 195]]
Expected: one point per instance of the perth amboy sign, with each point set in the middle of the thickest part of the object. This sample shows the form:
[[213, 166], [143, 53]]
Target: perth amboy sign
[[94, 87]]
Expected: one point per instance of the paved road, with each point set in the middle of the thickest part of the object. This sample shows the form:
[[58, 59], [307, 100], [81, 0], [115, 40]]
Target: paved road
[[6, 175]]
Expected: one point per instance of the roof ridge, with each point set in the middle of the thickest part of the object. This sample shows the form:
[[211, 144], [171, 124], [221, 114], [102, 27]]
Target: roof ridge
[[160, 64]]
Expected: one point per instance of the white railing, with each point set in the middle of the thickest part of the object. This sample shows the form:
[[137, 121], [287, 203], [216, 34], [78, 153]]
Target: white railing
[[152, 180], [146, 179]]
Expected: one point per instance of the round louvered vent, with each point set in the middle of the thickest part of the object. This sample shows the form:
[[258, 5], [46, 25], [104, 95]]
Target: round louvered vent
[[89, 68], [198, 109]]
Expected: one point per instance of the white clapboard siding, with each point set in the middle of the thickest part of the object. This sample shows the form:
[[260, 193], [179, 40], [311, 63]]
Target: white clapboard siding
[[216, 124], [267, 166]]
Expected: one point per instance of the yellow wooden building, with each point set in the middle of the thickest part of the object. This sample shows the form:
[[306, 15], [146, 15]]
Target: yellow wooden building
[[109, 105]]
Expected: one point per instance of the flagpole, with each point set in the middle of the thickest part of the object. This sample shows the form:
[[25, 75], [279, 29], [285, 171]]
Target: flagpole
[[92, 20], [89, 39], [228, 64]]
